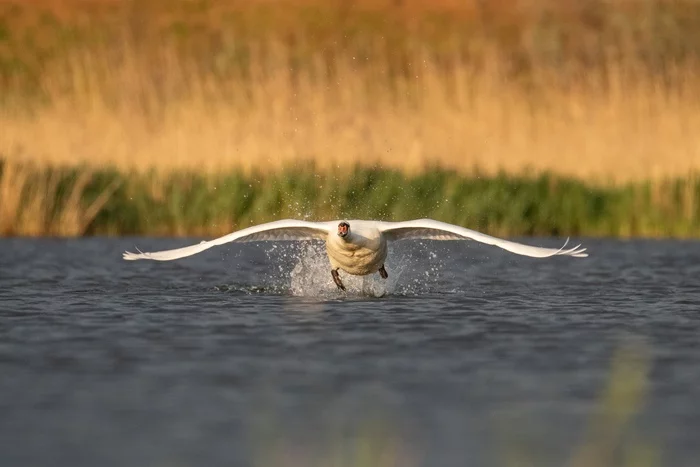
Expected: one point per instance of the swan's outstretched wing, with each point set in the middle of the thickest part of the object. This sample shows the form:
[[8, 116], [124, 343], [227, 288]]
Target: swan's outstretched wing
[[287, 229], [436, 230]]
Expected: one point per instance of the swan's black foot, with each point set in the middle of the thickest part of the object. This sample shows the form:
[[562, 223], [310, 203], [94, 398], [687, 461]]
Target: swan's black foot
[[383, 273], [336, 279]]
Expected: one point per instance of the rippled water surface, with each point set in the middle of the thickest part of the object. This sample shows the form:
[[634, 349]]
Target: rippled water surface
[[247, 355]]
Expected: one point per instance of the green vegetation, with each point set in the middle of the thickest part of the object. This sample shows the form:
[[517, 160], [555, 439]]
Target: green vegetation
[[77, 201]]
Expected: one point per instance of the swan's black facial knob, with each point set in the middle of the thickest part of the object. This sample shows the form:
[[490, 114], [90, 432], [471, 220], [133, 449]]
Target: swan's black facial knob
[[343, 229]]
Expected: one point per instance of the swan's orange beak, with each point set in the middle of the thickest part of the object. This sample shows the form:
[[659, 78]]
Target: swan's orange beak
[[343, 228]]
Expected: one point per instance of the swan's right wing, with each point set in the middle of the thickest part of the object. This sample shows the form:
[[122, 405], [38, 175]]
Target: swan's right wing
[[288, 229], [436, 230]]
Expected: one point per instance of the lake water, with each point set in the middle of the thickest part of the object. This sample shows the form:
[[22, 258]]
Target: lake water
[[248, 355]]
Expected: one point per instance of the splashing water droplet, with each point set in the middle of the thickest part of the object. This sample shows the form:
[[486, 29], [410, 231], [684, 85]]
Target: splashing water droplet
[[311, 276], [303, 270]]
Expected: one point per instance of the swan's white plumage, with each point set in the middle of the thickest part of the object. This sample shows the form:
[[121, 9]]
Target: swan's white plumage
[[365, 235], [278, 230], [436, 230]]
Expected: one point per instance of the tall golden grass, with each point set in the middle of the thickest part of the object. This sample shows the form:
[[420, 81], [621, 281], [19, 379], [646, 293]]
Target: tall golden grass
[[603, 91], [139, 111], [606, 92]]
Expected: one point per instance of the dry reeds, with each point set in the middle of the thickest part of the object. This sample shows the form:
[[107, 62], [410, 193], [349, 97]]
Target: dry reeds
[[605, 91], [599, 94], [140, 112]]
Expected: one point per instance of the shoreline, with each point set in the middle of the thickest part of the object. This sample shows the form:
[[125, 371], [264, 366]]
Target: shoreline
[[73, 202]]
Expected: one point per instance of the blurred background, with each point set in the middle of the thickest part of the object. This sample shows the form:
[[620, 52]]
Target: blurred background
[[196, 117]]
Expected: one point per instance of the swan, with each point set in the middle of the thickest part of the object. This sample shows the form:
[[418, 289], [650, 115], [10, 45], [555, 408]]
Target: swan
[[358, 247]]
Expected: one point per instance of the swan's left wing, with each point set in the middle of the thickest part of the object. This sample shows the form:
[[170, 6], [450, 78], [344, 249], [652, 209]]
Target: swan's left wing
[[436, 230], [287, 229]]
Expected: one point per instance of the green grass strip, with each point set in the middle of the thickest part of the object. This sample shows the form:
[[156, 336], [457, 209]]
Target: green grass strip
[[109, 202]]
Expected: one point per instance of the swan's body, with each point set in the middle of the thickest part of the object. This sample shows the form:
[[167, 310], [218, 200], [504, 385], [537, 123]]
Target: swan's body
[[363, 249]]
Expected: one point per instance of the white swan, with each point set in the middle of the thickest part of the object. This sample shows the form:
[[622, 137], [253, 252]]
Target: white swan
[[361, 250]]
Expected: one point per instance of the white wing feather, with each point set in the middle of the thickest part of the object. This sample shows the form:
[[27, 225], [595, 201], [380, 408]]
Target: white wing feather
[[287, 229], [436, 230]]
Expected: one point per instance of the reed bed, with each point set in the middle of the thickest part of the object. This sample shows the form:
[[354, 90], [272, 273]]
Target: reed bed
[[84, 201], [182, 89], [133, 112], [598, 104]]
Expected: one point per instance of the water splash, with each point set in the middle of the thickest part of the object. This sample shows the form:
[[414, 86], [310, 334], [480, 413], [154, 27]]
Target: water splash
[[247, 289], [303, 270], [311, 276]]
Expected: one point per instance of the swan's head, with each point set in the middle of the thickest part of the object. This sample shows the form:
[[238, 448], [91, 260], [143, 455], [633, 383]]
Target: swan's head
[[343, 229]]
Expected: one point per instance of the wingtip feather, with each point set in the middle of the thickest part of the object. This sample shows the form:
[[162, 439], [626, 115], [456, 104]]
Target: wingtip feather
[[129, 256], [576, 252], [579, 253]]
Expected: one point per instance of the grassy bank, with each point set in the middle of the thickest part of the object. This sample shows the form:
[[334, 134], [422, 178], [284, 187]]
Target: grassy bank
[[602, 93], [550, 117], [54, 201]]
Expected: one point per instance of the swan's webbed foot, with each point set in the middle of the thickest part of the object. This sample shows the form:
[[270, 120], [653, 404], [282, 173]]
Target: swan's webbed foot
[[383, 273], [336, 279]]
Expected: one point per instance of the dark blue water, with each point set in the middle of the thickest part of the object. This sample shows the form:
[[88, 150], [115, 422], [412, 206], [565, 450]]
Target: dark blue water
[[247, 355]]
